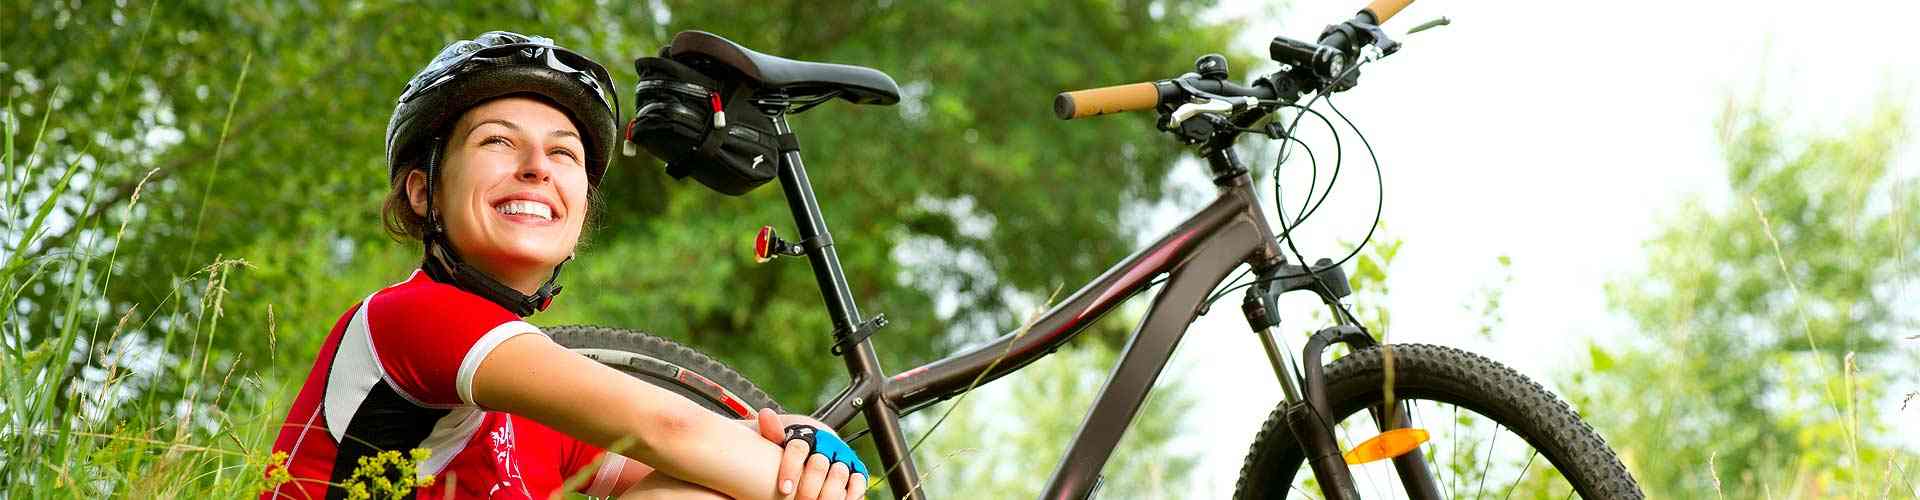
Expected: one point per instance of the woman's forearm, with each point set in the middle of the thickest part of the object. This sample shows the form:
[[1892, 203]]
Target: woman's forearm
[[529, 375], [697, 446]]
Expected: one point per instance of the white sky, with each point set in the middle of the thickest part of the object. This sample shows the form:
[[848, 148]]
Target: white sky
[[1556, 133]]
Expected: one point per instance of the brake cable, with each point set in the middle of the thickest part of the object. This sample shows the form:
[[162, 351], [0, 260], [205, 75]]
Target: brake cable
[[1286, 234]]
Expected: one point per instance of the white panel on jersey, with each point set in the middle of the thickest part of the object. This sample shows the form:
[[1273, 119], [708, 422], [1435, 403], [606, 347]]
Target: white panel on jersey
[[352, 375], [450, 435]]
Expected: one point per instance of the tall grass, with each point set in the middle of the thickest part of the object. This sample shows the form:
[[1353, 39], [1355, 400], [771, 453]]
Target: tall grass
[[74, 421]]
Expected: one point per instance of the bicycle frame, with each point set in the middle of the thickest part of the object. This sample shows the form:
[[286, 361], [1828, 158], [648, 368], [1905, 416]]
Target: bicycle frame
[[1196, 256]]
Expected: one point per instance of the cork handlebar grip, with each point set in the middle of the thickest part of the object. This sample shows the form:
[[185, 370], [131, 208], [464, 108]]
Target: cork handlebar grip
[[1385, 9], [1104, 100]]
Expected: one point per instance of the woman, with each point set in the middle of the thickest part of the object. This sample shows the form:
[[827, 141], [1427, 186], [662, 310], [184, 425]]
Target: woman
[[494, 152]]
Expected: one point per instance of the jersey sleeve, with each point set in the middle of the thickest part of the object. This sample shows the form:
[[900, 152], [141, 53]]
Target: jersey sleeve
[[582, 458], [429, 340]]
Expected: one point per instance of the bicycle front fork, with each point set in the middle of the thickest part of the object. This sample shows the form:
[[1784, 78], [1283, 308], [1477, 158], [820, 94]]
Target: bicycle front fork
[[1308, 387]]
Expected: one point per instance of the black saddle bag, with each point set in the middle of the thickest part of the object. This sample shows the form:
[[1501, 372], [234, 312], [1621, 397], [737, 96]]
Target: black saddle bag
[[702, 126]]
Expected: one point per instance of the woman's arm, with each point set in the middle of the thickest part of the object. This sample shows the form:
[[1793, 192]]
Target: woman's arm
[[531, 376]]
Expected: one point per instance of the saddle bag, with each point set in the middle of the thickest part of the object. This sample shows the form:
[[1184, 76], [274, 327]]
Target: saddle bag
[[703, 126]]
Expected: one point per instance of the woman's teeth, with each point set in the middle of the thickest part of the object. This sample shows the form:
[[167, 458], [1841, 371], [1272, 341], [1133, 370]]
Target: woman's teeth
[[525, 207]]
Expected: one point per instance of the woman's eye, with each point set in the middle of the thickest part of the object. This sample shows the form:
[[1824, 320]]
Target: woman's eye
[[566, 152], [495, 140]]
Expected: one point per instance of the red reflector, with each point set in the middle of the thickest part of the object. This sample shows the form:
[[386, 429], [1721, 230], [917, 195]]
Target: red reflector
[[760, 250]]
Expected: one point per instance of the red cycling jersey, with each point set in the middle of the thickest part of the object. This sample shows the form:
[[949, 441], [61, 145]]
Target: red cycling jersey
[[396, 374]]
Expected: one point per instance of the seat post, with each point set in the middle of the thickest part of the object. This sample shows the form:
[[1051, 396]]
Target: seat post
[[812, 227], [862, 364]]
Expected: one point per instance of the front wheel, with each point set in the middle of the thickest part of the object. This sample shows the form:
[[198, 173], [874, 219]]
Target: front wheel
[[1493, 432], [669, 365]]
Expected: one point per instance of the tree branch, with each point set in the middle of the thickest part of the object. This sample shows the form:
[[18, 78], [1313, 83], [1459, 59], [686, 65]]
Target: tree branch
[[182, 159]]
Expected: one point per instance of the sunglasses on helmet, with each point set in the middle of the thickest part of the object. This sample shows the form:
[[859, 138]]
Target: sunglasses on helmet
[[514, 50]]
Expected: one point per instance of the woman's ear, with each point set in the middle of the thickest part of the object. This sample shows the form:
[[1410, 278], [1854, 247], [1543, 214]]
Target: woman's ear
[[417, 191]]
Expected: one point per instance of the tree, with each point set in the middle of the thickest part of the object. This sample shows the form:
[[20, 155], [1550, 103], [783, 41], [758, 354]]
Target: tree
[[253, 134], [1767, 323], [281, 168]]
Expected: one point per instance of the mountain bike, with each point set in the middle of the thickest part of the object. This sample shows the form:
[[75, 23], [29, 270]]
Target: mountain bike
[[1398, 397]]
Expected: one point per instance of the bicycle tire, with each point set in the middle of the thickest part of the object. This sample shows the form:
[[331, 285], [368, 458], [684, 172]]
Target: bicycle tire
[[664, 363], [1448, 375]]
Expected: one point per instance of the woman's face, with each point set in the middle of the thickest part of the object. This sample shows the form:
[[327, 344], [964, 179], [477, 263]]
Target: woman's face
[[513, 189]]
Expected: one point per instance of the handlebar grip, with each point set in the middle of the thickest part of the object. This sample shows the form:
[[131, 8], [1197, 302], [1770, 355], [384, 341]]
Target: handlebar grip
[[1385, 9], [1100, 101]]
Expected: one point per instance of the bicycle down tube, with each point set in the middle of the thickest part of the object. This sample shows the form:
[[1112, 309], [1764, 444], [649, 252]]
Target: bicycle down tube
[[1196, 256]]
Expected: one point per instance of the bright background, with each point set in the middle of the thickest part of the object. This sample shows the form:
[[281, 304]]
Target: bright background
[[1557, 134]]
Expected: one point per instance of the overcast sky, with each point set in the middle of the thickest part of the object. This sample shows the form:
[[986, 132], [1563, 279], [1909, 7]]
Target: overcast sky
[[1556, 133]]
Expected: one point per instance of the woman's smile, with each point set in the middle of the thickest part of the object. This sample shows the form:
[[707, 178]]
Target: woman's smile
[[527, 208]]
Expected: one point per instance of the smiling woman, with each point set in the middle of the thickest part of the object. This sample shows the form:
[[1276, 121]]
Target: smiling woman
[[494, 152], [515, 172]]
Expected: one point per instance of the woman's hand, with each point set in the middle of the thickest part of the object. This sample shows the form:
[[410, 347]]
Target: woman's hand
[[806, 475]]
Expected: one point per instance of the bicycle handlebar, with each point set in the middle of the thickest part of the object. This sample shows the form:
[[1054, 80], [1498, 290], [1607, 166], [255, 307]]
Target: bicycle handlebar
[[1148, 95]]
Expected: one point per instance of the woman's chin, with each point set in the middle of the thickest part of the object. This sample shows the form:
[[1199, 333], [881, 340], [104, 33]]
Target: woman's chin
[[533, 260], [519, 261]]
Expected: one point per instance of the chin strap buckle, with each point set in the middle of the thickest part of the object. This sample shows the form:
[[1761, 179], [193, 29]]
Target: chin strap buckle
[[546, 302], [842, 339]]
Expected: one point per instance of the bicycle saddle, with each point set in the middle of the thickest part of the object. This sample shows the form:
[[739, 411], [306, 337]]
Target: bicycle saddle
[[856, 84]]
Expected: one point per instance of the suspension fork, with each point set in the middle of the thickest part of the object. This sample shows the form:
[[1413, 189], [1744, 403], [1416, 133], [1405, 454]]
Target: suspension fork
[[1415, 476], [1315, 432], [1306, 386]]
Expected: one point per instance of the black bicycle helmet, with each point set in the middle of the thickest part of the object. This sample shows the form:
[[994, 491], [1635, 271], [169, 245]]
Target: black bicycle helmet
[[498, 64], [467, 73]]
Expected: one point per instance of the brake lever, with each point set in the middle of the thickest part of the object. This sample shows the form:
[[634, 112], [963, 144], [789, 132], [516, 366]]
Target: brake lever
[[1379, 48], [1206, 102], [1192, 109]]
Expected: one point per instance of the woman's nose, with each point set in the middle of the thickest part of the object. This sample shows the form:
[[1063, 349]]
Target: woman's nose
[[534, 168]]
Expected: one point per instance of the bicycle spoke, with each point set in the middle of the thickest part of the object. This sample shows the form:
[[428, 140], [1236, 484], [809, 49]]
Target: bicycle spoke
[[1495, 442], [1523, 474], [1432, 458], [1346, 440], [1420, 421], [1453, 450]]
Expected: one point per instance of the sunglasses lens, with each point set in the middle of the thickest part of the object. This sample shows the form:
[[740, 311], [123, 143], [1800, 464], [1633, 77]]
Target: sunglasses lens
[[465, 54]]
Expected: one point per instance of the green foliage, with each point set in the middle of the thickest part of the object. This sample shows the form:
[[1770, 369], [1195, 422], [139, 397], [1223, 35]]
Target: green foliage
[[1767, 323], [1370, 286], [979, 452], [1489, 298], [147, 140], [297, 188]]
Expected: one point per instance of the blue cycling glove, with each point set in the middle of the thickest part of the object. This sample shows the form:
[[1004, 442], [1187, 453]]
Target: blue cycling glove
[[825, 442]]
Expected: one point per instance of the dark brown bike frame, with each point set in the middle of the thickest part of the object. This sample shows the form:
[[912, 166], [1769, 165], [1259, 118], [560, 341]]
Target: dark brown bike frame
[[1196, 257]]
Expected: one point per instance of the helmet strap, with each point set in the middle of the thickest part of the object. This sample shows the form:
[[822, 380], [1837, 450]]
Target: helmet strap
[[443, 263]]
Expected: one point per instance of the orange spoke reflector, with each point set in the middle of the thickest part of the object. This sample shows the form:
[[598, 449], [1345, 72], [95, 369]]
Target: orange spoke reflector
[[1388, 444]]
